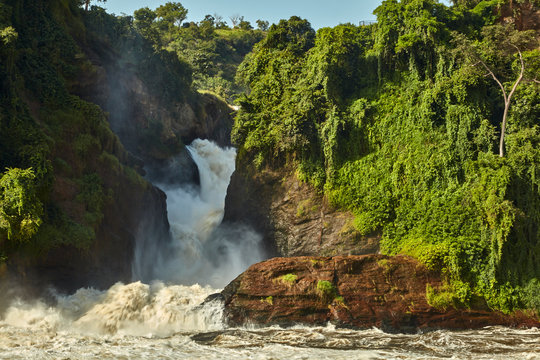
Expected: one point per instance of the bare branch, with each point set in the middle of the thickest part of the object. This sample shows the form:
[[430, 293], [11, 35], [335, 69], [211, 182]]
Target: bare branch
[[494, 78], [521, 72], [507, 101]]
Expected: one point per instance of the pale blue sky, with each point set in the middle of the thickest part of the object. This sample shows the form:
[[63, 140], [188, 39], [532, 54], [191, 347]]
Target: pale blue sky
[[319, 13]]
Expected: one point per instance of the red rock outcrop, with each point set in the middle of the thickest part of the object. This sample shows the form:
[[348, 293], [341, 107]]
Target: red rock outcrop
[[350, 291]]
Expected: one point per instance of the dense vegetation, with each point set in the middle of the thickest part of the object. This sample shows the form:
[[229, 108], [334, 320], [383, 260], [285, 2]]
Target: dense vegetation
[[212, 48], [400, 122]]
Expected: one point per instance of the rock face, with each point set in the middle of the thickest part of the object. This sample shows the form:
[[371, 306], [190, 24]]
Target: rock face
[[293, 217], [525, 15], [136, 211], [352, 291]]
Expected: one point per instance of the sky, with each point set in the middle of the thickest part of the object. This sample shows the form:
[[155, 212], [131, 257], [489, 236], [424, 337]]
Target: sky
[[320, 13]]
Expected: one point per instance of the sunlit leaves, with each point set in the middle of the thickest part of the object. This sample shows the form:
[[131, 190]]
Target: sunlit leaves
[[20, 209]]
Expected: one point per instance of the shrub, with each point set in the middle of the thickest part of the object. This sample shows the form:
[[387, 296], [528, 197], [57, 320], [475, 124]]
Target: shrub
[[325, 289]]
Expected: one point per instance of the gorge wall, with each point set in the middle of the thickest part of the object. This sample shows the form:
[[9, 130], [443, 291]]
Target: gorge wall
[[294, 218]]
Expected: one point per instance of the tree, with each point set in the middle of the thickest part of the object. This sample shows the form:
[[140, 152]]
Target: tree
[[235, 20], [208, 20], [87, 3], [206, 27], [144, 22], [295, 34], [219, 23], [262, 25], [172, 14], [408, 34], [244, 25], [20, 208], [500, 55]]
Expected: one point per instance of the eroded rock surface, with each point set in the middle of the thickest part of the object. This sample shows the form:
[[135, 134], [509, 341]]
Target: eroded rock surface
[[293, 217], [350, 291]]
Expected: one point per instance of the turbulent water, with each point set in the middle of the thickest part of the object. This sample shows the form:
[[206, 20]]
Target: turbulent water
[[165, 323], [167, 319]]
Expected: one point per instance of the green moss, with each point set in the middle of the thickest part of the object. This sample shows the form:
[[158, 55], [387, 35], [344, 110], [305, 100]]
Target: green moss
[[134, 177], [269, 300], [316, 262], [288, 279], [339, 301], [305, 208], [325, 289]]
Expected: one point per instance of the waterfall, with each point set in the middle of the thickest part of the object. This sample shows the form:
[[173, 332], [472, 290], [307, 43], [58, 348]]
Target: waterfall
[[202, 249], [165, 296]]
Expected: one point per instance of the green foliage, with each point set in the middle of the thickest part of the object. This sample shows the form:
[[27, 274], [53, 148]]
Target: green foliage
[[289, 279], [62, 141], [295, 35], [92, 196], [325, 289], [211, 49], [8, 35], [20, 209], [269, 300], [531, 295], [457, 295], [395, 124], [171, 14]]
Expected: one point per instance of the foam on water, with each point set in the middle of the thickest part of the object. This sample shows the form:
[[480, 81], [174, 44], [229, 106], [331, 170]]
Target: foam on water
[[133, 309]]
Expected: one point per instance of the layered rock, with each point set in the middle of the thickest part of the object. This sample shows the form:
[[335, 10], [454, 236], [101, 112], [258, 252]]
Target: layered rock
[[352, 291], [293, 217]]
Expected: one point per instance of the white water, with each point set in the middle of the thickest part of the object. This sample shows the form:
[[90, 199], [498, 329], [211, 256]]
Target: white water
[[164, 320], [201, 252]]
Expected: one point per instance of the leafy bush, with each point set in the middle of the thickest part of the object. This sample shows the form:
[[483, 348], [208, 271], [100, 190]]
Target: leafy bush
[[20, 209]]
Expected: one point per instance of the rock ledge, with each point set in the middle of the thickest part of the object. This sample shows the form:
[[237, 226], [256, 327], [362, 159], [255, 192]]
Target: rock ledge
[[350, 291]]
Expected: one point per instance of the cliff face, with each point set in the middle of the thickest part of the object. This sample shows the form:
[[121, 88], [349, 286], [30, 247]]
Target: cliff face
[[134, 211], [354, 291], [152, 123], [525, 15], [293, 217]]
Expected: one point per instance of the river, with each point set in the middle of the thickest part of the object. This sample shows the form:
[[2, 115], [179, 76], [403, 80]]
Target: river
[[164, 319]]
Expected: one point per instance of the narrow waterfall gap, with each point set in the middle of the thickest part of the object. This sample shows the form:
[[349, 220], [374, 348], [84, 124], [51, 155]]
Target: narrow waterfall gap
[[202, 251]]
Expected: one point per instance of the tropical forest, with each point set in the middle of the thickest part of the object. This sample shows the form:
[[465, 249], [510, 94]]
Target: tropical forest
[[379, 174]]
